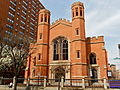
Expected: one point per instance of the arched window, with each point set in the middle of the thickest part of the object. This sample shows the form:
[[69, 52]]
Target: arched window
[[76, 11], [60, 49], [45, 17], [81, 11], [93, 58], [41, 17]]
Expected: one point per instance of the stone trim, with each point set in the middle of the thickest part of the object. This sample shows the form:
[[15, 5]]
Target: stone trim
[[79, 76], [43, 23], [79, 18], [41, 76], [95, 42], [42, 65], [78, 40], [79, 64], [59, 64], [94, 65], [60, 23], [42, 44]]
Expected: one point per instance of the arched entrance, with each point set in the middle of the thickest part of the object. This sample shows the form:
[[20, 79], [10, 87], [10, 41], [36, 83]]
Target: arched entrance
[[59, 72]]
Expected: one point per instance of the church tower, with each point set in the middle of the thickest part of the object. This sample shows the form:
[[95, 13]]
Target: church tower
[[43, 42], [78, 21], [78, 59]]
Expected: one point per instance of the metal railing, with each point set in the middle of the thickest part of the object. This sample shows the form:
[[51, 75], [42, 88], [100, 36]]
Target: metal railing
[[81, 83]]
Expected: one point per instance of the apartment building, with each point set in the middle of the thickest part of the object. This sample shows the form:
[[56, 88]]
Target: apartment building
[[19, 18]]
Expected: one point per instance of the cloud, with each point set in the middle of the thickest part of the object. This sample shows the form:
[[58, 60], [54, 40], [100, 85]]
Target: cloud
[[108, 22]]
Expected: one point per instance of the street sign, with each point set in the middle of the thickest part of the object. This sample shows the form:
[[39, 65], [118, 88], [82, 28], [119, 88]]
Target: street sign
[[116, 58]]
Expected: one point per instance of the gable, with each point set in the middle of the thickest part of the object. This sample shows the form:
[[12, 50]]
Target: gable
[[61, 22]]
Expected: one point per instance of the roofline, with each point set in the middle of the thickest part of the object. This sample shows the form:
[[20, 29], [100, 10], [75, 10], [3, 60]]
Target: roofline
[[41, 5]]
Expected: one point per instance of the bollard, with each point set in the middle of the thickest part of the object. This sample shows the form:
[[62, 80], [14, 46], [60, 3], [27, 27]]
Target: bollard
[[28, 82], [14, 80], [105, 84], [27, 85], [83, 83], [62, 81], [45, 82]]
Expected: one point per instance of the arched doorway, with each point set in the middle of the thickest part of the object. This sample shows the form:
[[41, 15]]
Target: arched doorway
[[59, 72]]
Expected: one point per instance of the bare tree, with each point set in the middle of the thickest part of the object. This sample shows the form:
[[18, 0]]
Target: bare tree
[[17, 51]]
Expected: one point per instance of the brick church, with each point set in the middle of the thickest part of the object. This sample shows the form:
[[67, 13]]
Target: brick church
[[63, 50]]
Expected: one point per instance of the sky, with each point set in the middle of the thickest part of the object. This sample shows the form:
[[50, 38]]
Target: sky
[[102, 17]]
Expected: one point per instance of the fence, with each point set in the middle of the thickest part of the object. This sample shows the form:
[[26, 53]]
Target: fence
[[81, 83]]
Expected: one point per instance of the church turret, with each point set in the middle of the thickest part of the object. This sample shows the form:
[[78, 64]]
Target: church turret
[[43, 42], [77, 10], [43, 26], [78, 41], [78, 19]]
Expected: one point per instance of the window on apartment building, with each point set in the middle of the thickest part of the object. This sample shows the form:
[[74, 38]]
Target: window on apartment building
[[78, 53], [92, 57], [76, 11], [60, 51]]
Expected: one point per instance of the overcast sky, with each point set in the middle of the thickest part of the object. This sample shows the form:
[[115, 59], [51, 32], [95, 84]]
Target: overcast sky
[[102, 17]]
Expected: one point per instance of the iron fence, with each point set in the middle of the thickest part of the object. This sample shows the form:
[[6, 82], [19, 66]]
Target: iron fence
[[80, 83], [73, 83], [94, 83]]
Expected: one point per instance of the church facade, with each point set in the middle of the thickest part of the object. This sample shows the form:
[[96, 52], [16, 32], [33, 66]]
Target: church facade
[[63, 50]]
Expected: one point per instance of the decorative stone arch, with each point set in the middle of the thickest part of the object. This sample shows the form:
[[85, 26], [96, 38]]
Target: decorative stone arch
[[58, 38], [59, 72]]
